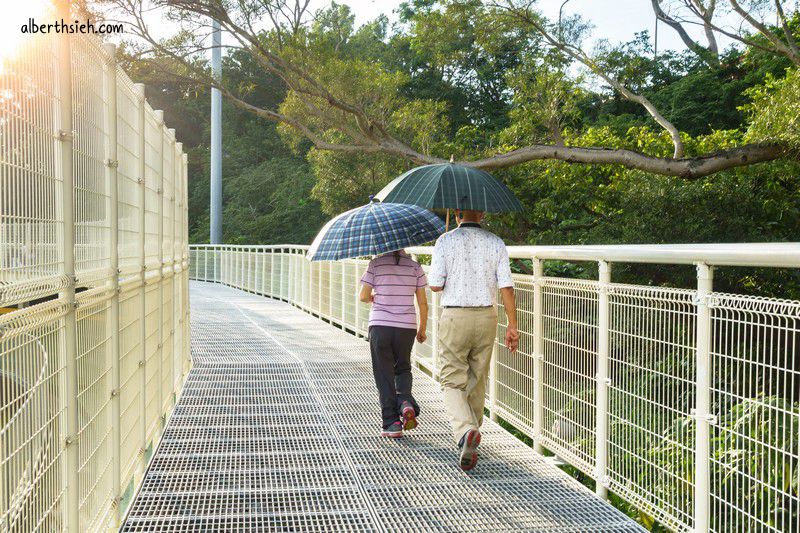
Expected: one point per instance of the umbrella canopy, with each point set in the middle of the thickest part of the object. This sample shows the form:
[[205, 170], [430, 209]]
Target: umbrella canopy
[[374, 229], [450, 186]]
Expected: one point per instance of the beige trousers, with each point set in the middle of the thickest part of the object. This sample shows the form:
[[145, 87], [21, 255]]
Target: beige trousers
[[466, 340]]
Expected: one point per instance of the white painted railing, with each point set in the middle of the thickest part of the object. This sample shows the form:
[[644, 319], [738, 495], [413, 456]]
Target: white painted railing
[[93, 284], [684, 402]]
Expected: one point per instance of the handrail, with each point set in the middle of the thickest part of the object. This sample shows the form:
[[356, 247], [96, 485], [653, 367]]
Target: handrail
[[783, 255], [773, 255]]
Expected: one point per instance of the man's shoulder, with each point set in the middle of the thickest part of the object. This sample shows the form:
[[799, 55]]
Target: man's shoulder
[[491, 237]]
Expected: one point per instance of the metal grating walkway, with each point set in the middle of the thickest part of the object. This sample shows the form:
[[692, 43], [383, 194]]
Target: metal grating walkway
[[277, 429]]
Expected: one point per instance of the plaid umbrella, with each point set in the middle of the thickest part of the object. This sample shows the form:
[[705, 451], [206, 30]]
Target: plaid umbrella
[[450, 186], [374, 229]]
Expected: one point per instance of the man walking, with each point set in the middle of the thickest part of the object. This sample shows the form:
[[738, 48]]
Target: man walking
[[469, 265]]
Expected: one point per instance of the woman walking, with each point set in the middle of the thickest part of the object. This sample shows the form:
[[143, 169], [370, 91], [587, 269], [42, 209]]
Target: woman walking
[[390, 284]]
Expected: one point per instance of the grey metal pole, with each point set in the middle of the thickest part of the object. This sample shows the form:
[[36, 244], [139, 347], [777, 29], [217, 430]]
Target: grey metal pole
[[216, 138]]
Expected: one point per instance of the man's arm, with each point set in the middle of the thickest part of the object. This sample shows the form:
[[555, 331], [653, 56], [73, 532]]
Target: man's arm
[[506, 283], [510, 305], [438, 272]]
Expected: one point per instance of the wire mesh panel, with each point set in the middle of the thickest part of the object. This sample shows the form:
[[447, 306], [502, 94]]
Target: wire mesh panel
[[755, 452], [569, 322], [31, 417], [152, 185], [651, 442], [130, 392], [92, 223], [152, 391], [350, 295], [335, 285], [515, 371], [31, 259], [168, 197], [128, 185], [166, 365], [362, 324], [94, 417]]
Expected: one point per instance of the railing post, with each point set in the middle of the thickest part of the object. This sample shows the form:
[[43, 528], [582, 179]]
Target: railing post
[[263, 253], [435, 333], [603, 381], [110, 87], [330, 291], [284, 276], [272, 273], [319, 290], [357, 325], [161, 213], [303, 289], [63, 147], [291, 269], [538, 355], [251, 285], [493, 381], [702, 411], [344, 292], [142, 289]]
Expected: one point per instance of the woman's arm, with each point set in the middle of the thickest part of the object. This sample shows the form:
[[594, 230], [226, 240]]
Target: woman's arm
[[366, 294], [422, 303]]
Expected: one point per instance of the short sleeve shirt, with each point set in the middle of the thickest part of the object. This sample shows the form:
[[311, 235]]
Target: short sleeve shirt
[[395, 284], [470, 263]]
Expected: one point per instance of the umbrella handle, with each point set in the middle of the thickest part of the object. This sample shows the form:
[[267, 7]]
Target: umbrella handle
[[447, 221]]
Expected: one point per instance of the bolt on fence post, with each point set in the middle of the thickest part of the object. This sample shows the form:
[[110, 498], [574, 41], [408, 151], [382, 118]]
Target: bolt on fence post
[[110, 89], [142, 289], [603, 382], [702, 412], [538, 355], [64, 147]]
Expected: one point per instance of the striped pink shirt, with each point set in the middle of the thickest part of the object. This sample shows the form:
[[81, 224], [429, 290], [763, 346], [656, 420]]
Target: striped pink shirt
[[394, 286]]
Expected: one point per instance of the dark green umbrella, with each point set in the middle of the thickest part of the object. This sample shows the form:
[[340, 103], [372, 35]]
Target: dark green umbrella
[[450, 186]]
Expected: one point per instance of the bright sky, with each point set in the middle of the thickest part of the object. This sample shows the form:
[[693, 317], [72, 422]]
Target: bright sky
[[614, 20]]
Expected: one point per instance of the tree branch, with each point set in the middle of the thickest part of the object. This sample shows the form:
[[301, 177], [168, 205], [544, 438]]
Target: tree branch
[[709, 55], [688, 168], [524, 15], [779, 46]]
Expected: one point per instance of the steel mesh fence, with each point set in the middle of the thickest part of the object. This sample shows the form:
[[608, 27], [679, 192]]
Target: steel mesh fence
[[81, 246]]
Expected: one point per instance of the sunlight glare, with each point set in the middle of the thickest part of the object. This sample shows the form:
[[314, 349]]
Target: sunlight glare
[[17, 14]]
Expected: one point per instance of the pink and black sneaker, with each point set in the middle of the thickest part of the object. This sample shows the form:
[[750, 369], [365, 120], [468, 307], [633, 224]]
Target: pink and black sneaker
[[394, 431], [409, 416]]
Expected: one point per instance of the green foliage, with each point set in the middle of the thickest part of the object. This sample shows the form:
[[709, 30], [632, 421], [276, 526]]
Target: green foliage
[[775, 109]]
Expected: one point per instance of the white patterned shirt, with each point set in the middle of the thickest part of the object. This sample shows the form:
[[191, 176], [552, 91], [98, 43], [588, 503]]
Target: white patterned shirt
[[471, 263]]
